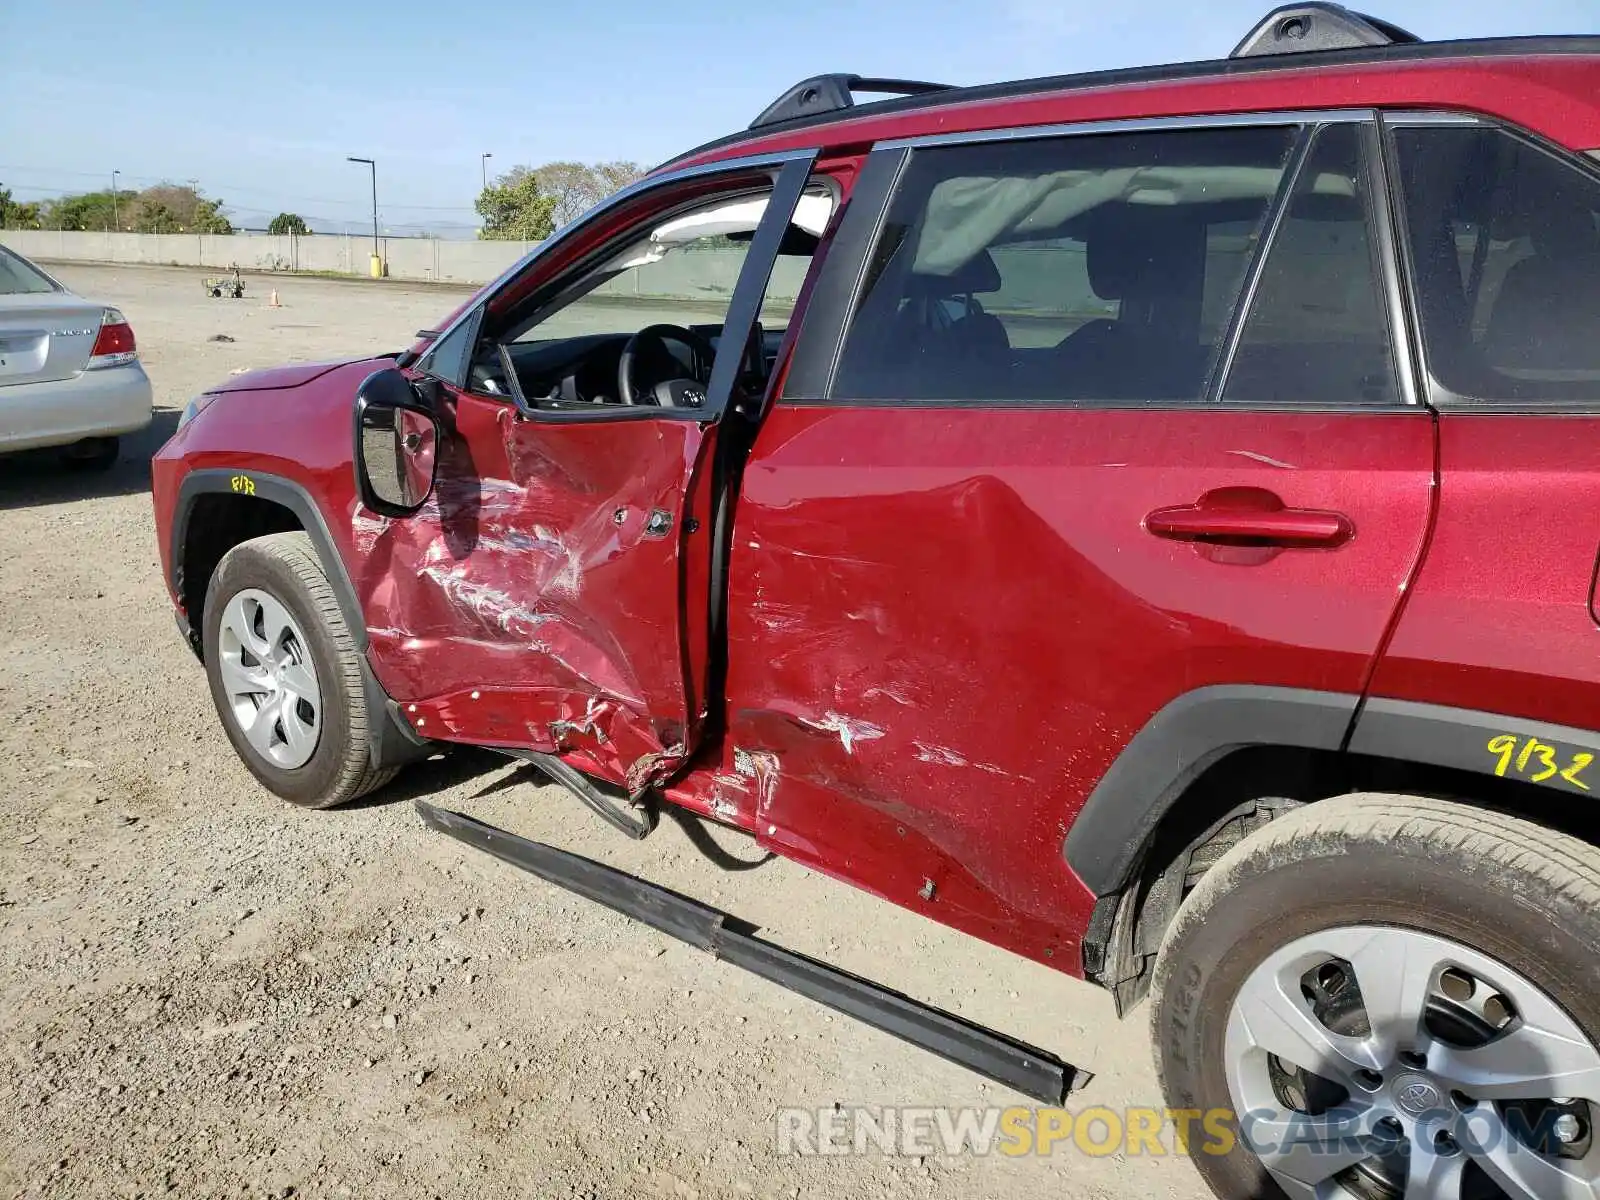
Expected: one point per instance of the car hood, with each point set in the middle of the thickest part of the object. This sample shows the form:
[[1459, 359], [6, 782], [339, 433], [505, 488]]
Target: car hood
[[294, 375]]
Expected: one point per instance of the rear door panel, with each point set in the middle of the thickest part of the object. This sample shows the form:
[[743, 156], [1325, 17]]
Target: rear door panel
[[950, 622], [950, 616]]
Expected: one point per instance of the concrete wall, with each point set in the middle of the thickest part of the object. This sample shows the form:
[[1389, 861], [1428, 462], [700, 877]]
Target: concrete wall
[[408, 258], [704, 274], [693, 274]]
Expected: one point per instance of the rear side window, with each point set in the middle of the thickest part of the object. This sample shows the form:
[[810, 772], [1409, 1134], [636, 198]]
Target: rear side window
[[1505, 239], [1317, 333], [1101, 267]]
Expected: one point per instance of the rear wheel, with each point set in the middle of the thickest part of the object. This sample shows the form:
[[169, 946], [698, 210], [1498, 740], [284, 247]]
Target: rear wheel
[[1397, 998], [285, 674]]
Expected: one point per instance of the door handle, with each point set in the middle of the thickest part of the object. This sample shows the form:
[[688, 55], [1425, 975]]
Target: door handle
[[1229, 517]]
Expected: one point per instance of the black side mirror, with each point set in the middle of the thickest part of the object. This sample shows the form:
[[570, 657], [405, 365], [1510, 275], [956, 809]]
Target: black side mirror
[[397, 445]]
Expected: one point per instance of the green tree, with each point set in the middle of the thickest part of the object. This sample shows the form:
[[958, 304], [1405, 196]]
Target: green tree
[[90, 210], [156, 218], [24, 216], [287, 222], [578, 187], [514, 209], [208, 217], [164, 208], [570, 183], [614, 176]]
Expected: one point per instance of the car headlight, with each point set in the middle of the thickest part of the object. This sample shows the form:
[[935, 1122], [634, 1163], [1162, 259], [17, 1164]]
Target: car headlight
[[195, 407]]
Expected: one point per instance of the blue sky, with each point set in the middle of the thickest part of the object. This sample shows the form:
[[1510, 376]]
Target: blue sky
[[261, 103]]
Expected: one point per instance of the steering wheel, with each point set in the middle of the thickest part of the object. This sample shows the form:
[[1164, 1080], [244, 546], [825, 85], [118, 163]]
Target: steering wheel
[[652, 341]]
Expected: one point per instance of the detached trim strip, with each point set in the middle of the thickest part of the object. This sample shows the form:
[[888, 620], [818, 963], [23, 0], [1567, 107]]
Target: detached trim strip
[[1033, 1072]]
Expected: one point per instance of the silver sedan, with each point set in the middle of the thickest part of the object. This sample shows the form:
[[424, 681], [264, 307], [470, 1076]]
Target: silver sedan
[[69, 369]]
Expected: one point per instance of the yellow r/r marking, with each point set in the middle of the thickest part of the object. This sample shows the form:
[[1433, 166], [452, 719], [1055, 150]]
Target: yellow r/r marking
[[1546, 755], [1503, 745], [1579, 762]]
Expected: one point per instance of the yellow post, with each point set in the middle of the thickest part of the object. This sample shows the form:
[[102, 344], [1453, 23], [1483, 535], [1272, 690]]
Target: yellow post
[[377, 267]]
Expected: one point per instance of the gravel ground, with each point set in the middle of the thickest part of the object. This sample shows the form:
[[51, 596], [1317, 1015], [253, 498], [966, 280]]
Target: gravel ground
[[206, 992]]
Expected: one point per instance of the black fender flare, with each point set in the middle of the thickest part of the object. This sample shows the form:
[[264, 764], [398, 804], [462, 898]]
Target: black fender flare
[[288, 494], [1117, 824], [1105, 842], [1458, 738], [398, 742]]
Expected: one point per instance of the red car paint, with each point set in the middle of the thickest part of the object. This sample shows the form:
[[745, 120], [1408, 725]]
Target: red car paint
[[1502, 617], [295, 433], [992, 610], [542, 543], [274, 378], [944, 626]]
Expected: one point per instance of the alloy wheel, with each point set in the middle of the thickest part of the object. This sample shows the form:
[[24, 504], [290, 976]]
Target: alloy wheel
[[1379, 1063], [269, 678]]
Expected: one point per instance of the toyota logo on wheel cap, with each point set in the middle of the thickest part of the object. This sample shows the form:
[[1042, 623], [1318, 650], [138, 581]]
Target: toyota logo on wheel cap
[[1416, 1095]]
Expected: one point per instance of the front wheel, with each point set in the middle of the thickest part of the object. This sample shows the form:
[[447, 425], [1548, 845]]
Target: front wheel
[[285, 674], [1392, 998]]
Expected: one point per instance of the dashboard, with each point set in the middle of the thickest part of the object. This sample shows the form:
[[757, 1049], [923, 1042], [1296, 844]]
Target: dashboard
[[579, 372]]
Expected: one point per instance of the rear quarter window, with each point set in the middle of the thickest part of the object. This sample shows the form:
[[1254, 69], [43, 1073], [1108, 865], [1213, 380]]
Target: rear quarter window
[[1505, 244]]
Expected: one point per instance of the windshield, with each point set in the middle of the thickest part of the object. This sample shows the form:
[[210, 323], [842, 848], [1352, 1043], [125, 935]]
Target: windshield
[[18, 277]]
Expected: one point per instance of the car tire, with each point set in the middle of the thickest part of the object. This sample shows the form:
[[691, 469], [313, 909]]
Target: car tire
[[92, 454], [286, 675], [1511, 906]]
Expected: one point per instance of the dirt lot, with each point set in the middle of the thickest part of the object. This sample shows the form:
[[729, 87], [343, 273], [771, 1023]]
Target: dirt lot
[[206, 992]]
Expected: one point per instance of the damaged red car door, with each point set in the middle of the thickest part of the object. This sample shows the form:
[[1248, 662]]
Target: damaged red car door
[[553, 593], [1067, 453]]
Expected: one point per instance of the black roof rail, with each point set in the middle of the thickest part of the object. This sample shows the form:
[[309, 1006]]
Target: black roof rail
[[829, 93], [1304, 28]]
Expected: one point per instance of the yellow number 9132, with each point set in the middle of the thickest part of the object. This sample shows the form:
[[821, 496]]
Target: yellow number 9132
[[1536, 760]]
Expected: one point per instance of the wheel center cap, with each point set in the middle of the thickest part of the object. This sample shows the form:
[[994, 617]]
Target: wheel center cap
[[1417, 1094]]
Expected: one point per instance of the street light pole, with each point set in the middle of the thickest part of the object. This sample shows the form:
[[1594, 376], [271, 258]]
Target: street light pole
[[376, 256], [483, 161], [115, 222]]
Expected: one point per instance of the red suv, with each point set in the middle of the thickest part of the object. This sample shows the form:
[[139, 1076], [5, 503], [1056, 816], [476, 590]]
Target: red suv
[[1146, 520]]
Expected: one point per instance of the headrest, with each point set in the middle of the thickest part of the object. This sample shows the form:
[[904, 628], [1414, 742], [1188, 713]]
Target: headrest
[[1124, 255], [975, 277], [1565, 230]]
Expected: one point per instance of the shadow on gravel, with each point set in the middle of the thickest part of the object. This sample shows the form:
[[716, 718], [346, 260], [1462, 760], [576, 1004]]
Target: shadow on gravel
[[458, 765], [38, 477]]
